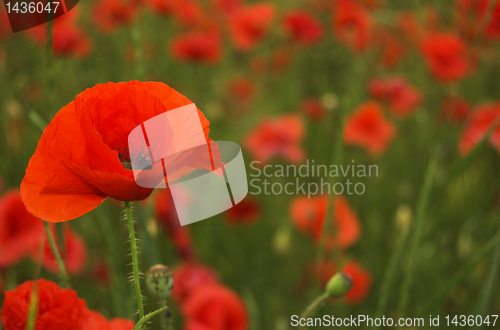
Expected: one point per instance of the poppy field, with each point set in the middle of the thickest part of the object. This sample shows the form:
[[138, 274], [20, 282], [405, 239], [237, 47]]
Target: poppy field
[[368, 134]]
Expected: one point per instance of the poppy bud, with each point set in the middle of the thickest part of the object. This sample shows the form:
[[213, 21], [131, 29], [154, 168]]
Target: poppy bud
[[338, 285], [159, 281]]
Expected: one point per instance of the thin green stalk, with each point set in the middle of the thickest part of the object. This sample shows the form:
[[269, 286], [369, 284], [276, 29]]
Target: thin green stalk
[[60, 263], [461, 274], [313, 306], [33, 308], [142, 322], [389, 274], [135, 260], [136, 38], [420, 218]]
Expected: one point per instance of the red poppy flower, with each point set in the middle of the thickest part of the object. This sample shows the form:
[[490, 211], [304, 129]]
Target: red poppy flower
[[78, 161], [392, 48], [478, 125], [472, 12], [245, 212], [250, 24], [242, 89], [309, 215], [277, 137], [75, 253], [368, 128], [313, 108], [189, 277], [213, 307], [109, 14], [57, 308], [20, 231], [302, 27], [100, 271], [68, 38], [446, 56], [168, 219], [403, 98], [227, 6], [163, 7], [95, 321], [188, 13], [362, 282], [455, 109], [199, 46], [352, 24]]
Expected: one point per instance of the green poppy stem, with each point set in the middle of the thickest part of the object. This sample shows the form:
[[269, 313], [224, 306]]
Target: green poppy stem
[[60, 263], [135, 261], [313, 306]]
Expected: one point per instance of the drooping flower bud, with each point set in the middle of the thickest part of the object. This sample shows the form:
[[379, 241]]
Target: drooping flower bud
[[159, 281], [339, 285]]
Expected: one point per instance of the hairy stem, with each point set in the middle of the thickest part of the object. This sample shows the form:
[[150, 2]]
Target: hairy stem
[[135, 261]]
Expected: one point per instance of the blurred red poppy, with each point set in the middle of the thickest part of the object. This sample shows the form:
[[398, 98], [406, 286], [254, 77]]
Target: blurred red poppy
[[480, 121], [189, 277], [214, 307], [393, 49], [403, 98], [250, 24], [82, 155], [302, 27], [110, 14], [198, 46], [58, 308], [245, 212], [313, 108], [188, 13], [472, 17], [277, 137], [68, 38], [163, 7], [368, 128], [362, 282], [166, 215], [74, 253], [352, 24], [95, 321], [243, 89], [20, 231], [446, 56], [309, 215], [455, 109], [227, 6]]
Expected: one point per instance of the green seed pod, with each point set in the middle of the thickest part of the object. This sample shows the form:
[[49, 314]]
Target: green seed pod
[[339, 285], [159, 281]]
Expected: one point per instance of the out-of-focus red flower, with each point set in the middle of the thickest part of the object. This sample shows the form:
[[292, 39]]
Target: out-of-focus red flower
[[95, 321], [352, 24], [309, 215], [166, 215], [446, 56], [410, 26], [368, 128], [313, 108], [280, 59], [245, 212], [75, 253], [227, 6], [108, 15], [302, 27], [250, 24], [78, 161], [455, 109], [472, 16], [100, 272], [277, 137], [68, 38], [213, 306], [5, 29], [243, 89], [362, 282], [20, 231], [57, 308], [189, 277], [198, 46], [162, 7], [403, 98], [480, 121], [392, 49]]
